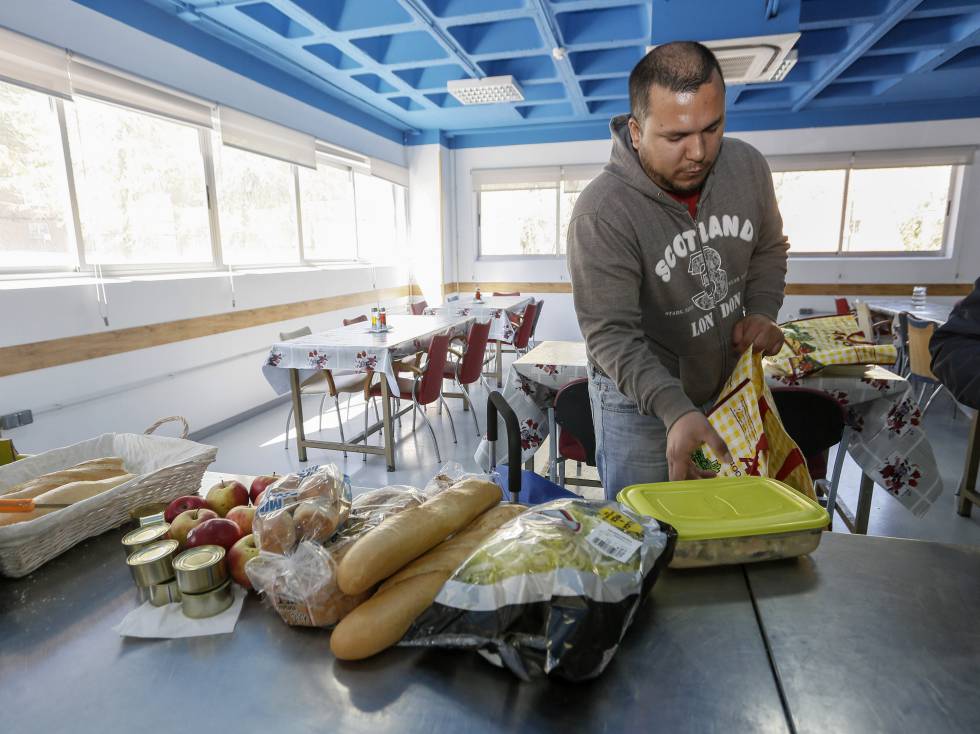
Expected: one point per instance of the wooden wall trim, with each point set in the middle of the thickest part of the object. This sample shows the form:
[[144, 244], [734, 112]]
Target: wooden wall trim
[[792, 289], [66, 350]]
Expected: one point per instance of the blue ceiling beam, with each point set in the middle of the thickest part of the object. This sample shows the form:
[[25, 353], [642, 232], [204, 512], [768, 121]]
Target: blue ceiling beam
[[423, 15], [550, 32], [882, 25]]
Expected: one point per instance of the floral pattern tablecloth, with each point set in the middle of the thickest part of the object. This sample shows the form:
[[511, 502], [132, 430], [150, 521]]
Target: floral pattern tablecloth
[[886, 436], [497, 308], [356, 348], [532, 383]]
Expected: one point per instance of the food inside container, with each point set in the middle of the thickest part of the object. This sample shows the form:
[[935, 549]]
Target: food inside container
[[730, 519]]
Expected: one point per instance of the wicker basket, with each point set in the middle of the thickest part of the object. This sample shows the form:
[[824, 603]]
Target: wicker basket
[[167, 467]]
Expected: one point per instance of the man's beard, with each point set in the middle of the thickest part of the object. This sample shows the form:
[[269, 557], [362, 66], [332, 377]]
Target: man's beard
[[673, 187]]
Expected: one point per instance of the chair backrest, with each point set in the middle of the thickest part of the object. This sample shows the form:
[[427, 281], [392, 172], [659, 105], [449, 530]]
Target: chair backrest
[[431, 384], [523, 335], [812, 418], [476, 345], [285, 336], [919, 334], [355, 320], [842, 306], [499, 293], [573, 412], [863, 314], [537, 316], [418, 308]]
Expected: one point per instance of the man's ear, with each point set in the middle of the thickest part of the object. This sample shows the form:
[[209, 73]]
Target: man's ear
[[635, 132]]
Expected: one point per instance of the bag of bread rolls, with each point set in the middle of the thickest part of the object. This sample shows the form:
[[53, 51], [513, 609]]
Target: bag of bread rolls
[[403, 538], [311, 505], [302, 586], [382, 620]]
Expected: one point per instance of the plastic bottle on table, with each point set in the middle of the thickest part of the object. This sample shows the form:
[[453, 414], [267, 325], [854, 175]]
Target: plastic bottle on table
[[374, 319], [478, 297], [383, 319]]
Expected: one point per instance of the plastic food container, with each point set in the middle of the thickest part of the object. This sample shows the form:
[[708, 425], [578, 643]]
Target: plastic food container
[[731, 519], [201, 569]]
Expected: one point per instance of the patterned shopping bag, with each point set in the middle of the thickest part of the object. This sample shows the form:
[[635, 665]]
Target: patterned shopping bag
[[745, 417], [815, 343]]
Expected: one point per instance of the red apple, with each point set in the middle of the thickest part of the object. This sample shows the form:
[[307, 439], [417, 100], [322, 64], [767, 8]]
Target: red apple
[[241, 553], [259, 484], [227, 494], [187, 521], [242, 517], [216, 531], [182, 504]]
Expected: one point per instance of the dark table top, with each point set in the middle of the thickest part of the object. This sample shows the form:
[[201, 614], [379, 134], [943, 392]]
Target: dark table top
[[875, 634], [693, 660]]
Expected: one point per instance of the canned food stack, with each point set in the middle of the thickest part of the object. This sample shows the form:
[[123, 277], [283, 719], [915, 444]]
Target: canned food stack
[[153, 571], [202, 577]]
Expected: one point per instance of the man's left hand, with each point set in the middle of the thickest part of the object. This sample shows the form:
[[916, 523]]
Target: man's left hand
[[758, 331]]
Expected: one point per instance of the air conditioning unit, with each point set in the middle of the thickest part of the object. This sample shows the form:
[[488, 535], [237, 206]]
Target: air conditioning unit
[[754, 59]]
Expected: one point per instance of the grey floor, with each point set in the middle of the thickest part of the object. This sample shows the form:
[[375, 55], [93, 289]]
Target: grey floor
[[255, 446]]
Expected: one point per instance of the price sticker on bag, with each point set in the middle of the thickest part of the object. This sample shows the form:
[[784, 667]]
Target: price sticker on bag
[[613, 542], [619, 520]]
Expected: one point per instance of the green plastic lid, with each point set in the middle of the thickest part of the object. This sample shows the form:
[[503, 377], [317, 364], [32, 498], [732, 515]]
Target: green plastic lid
[[725, 507]]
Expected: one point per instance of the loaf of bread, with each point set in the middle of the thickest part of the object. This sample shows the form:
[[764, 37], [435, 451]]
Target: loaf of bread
[[382, 620], [404, 537], [94, 469], [66, 494]]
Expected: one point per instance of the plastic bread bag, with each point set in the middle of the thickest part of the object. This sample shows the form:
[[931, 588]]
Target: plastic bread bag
[[302, 585], [311, 505], [551, 592], [451, 473]]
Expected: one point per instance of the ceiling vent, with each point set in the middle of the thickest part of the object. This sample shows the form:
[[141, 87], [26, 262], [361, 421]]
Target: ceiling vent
[[490, 90], [755, 59]]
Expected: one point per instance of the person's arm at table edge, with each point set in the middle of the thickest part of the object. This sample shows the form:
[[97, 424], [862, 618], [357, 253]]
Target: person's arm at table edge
[[955, 349], [606, 273]]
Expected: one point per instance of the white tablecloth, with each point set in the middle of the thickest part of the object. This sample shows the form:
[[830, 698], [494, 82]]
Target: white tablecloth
[[356, 348], [497, 308]]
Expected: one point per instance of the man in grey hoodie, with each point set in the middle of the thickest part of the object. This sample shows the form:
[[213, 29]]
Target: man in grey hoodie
[[678, 264]]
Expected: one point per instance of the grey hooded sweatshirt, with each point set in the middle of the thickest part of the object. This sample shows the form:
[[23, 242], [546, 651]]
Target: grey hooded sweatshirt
[[657, 292]]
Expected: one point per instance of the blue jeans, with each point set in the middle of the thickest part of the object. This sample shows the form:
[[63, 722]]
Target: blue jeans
[[630, 448]]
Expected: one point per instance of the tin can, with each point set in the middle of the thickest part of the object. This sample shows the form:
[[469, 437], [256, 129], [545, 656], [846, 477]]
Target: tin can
[[153, 564], [165, 593], [208, 604], [134, 540], [148, 514], [201, 569]]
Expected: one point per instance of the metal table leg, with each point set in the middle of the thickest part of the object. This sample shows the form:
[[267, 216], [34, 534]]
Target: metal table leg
[[967, 491], [552, 445], [297, 414], [863, 512], [386, 418], [500, 364]]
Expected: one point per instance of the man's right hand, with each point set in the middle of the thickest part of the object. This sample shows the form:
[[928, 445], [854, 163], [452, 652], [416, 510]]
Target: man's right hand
[[688, 432]]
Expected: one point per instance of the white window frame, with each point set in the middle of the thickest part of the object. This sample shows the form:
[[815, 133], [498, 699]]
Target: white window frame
[[956, 158], [323, 160]]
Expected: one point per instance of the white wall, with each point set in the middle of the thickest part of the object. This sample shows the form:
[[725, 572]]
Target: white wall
[[208, 379], [558, 319], [426, 205]]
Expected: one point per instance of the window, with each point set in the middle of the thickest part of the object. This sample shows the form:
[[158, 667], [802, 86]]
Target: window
[[140, 185], [327, 200], [256, 208], [868, 203], [380, 207], [527, 211], [36, 228]]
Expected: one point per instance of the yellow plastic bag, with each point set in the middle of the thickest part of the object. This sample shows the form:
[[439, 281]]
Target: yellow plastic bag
[[815, 343], [745, 417]]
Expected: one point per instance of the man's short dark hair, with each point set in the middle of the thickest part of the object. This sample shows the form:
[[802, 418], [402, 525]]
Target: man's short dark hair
[[681, 67]]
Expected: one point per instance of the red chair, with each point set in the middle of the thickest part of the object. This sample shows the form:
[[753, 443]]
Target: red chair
[[524, 324], [467, 369], [419, 307], [356, 320], [843, 307], [576, 431], [425, 388], [498, 293]]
